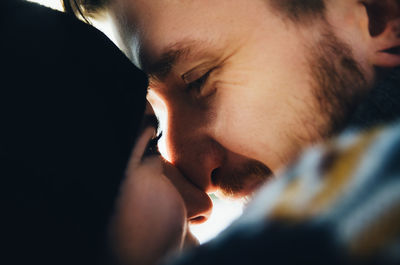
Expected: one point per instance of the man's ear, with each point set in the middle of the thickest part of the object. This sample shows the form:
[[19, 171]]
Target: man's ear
[[384, 31]]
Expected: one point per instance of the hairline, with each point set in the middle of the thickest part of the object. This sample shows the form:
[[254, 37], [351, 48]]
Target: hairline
[[299, 12]]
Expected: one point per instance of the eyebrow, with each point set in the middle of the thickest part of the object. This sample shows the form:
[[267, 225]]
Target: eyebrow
[[166, 62]]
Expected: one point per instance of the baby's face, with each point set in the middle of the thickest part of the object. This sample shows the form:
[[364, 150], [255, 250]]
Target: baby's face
[[155, 206]]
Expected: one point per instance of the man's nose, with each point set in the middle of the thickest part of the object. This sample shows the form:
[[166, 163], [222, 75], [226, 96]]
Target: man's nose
[[190, 142], [195, 154], [197, 202]]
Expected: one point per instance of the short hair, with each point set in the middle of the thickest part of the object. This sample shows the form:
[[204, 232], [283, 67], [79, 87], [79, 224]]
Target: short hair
[[84, 8], [299, 10], [295, 10]]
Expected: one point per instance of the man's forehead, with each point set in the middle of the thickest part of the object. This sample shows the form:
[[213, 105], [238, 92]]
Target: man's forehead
[[160, 63], [188, 27]]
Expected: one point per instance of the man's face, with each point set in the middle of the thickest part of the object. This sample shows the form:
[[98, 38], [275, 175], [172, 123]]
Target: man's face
[[243, 88]]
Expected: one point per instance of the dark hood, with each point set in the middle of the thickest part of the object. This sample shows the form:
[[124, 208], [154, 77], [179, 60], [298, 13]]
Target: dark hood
[[382, 105], [70, 107]]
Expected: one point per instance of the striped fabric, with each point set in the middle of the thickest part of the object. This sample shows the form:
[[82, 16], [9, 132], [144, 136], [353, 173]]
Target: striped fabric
[[339, 204], [351, 185]]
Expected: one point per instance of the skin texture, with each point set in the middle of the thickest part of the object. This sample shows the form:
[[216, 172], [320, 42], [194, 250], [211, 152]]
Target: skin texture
[[273, 86], [244, 89]]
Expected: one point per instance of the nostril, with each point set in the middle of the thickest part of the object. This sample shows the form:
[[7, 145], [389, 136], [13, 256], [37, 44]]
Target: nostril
[[214, 176], [198, 220]]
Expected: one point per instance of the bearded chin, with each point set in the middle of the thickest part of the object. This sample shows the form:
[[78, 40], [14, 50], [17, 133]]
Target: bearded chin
[[339, 84]]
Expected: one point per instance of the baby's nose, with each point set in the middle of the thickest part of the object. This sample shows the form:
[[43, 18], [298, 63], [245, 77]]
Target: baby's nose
[[197, 202]]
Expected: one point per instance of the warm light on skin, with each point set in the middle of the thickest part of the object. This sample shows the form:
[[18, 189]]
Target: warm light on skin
[[218, 134], [243, 84], [224, 211], [160, 111]]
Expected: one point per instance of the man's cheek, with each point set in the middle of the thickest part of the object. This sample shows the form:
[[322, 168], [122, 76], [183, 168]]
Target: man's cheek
[[238, 131]]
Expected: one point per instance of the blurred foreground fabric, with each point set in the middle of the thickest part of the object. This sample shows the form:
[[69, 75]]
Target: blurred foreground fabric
[[339, 204]]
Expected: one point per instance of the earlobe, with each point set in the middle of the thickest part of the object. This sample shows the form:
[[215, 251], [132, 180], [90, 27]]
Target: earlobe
[[384, 30]]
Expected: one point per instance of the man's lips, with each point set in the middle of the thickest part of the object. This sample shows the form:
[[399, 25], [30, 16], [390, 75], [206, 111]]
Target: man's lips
[[242, 179], [249, 186]]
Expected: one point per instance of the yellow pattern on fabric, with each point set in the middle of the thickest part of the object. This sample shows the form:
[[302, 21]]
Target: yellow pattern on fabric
[[284, 207], [334, 181], [340, 174], [378, 234]]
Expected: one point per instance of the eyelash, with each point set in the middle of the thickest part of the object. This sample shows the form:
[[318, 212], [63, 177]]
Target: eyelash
[[152, 146], [199, 83]]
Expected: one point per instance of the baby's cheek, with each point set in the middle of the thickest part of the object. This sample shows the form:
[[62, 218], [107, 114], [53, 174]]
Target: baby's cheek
[[150, 218]]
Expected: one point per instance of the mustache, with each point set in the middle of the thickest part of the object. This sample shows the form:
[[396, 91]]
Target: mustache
[[236, 180]]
